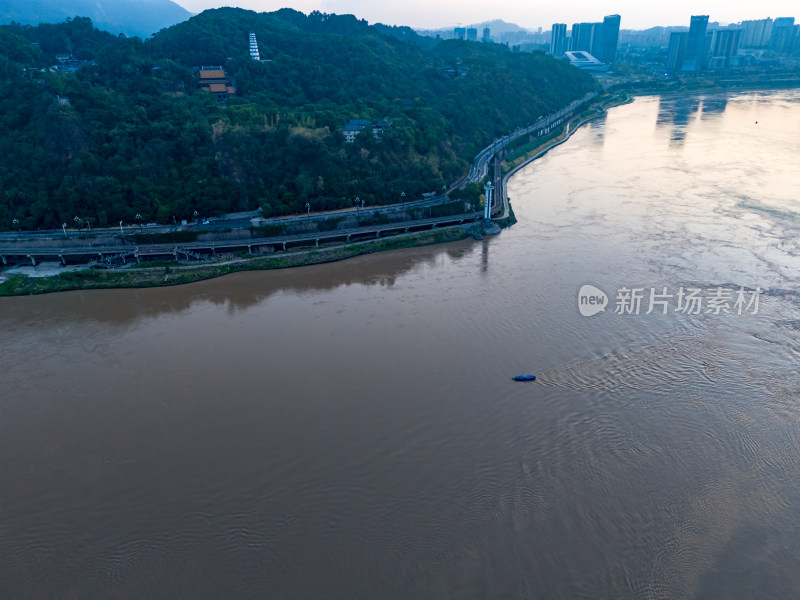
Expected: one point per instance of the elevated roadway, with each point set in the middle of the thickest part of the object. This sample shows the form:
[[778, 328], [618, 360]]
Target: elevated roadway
[[115, 255]]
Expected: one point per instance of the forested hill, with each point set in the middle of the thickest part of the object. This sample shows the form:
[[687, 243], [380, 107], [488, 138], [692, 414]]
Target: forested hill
[[130, 131], [131, 17]]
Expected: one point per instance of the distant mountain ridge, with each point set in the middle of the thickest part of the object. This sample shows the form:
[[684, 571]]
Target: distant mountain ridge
[[131, 17]]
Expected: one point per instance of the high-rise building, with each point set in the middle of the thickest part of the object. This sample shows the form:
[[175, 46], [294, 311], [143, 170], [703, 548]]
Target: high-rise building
[[487, 35], [794, 43], [724, 45], [676, 49], [459, 33], [582, 36], [782, 33], [558, 39], [706, 49], [472, 34], [694, 57], [597, 40], [756, 34], [609, 39]]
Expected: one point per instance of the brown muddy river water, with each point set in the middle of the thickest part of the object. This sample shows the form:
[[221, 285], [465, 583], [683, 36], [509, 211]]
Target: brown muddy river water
[[352, 431]]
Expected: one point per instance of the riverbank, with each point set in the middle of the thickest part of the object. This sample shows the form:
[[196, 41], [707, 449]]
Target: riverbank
[[525, 155], [707, 83], [178, 274]]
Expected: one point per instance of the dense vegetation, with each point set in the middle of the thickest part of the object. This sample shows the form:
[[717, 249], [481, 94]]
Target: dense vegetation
[[131, 17], [132, 133]]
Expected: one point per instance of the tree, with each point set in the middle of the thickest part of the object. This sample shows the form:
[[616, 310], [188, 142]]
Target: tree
[[132, 133]]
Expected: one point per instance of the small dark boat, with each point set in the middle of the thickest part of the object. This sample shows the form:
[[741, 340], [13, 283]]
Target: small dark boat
[[524, 377]]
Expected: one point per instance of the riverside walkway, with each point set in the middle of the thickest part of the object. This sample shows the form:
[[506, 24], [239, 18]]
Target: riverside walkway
[[543, 126], [494, 152], [20, 248], [117, 255]]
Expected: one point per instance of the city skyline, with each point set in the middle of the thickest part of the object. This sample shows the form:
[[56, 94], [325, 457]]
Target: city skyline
[[530, 15]]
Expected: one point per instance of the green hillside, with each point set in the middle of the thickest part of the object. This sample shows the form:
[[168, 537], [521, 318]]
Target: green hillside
[[132, 133], [131, 17]]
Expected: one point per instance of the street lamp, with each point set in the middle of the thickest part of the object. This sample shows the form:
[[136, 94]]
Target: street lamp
[[138, 217], [120, 228], [195, 214], [64, 229], [403, 199], [15, 222], [77, 221], [357, 201], [308, 209]]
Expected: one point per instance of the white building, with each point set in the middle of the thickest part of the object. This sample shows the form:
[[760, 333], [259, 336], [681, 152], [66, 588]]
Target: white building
[[354, 126], [254, 47]]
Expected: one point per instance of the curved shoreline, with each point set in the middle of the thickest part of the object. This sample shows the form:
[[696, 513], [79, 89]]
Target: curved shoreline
[[603, 108], [162, 276], [20, 285]]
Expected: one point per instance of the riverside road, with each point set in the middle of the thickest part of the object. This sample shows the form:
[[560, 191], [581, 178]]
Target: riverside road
[[16, 246]]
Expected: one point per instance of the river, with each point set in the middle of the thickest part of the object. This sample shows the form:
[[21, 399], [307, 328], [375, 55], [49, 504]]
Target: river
[[351, 430]]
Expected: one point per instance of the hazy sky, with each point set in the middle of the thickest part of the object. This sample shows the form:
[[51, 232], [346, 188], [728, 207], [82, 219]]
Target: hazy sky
[[636, 14]]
